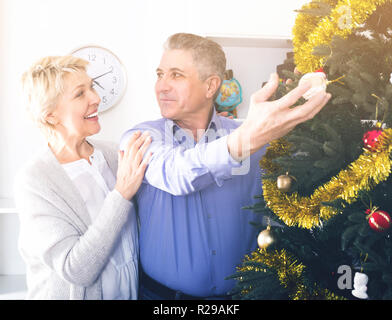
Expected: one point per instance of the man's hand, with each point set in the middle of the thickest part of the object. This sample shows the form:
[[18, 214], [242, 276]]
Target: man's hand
[[270, 120]]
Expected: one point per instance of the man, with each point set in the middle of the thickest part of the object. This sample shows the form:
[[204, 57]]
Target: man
[[204, 169]]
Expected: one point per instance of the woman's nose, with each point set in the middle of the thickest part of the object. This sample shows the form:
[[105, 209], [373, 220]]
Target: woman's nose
[[94, 97]]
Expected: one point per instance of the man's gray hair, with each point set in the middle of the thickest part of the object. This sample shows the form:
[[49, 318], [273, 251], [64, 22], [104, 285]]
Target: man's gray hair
[[207, 55]]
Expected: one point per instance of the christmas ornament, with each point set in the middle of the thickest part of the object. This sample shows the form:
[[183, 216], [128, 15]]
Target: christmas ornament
[[290, 273], [318, 82], [284, 182], [368, 170], [371, 139], [265, 238], [360, 288], [378, 220]]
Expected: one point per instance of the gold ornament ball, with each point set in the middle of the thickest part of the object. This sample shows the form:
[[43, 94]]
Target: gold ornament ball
[[265, 238], [284, 182]]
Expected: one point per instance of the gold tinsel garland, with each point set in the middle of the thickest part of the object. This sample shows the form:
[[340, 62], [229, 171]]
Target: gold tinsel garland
[[305, 25], [371, 167], [289, 272], [368, 170], [277, 148], [309, 32]]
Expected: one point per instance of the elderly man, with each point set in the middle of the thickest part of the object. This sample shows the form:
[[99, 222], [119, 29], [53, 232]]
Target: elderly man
[[193, 232]]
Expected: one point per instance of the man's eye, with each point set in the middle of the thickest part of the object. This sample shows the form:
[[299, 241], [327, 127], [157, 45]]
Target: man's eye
[[176, 75], [159, 75]]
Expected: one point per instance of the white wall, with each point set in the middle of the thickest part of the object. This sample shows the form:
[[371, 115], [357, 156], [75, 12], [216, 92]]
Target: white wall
[[252, 66], [244, 17], [135, 31], [10, 259]]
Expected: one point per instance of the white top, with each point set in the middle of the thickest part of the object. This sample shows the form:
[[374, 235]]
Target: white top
[[94, 182]]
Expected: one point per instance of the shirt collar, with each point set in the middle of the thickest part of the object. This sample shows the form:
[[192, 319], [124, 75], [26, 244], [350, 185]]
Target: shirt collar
[[215, 124]]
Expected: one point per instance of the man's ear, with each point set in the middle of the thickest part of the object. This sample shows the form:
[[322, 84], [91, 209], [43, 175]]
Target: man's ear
[[213, 85]]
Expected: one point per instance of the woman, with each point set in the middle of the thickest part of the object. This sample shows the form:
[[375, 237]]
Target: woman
[[78, 226]]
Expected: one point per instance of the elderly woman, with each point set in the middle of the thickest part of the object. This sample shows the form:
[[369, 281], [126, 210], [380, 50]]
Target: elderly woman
[[78, 225]]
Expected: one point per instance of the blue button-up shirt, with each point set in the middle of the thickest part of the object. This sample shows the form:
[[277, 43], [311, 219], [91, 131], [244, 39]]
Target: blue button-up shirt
[[193, 230]]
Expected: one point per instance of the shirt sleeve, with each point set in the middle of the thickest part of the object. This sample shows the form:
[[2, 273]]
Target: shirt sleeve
[[179, 170]]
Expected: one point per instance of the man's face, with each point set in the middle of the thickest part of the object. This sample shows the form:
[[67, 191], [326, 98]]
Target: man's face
[[179, 91]]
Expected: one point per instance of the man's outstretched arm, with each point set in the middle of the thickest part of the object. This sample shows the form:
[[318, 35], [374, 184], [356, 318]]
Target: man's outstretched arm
[[270, 120]]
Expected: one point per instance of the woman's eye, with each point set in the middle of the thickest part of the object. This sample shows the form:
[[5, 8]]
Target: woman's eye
[[79, 94]]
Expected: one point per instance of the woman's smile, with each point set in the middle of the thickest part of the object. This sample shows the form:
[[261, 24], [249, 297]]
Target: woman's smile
[[92, 116]]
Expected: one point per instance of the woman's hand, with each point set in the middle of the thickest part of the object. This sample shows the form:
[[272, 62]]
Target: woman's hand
[[131, 166]]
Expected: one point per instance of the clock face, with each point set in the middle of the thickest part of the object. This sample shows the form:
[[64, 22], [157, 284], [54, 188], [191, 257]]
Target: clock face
[[107, 72]]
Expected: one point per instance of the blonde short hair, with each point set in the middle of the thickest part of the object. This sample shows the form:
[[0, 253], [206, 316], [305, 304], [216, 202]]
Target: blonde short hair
[[208, 55], [43, 84]]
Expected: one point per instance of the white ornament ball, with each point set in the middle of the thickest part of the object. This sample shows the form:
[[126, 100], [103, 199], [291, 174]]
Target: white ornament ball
[[360, 288], [318, 81], [360, 293], [360, 279]]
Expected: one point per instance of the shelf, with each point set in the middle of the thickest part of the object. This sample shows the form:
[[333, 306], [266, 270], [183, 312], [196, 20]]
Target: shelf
[[7, 205], [267, 41]]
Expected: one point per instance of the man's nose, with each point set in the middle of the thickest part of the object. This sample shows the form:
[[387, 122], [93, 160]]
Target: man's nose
[[163, 84]]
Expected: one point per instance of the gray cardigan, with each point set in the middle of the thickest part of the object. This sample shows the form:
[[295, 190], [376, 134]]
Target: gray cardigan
[[63, 250]]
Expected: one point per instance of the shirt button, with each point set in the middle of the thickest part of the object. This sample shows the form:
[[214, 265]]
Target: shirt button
[[213, 252], [209, 216]]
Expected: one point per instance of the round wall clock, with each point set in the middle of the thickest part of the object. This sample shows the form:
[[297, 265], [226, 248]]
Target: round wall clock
[[107, 72]]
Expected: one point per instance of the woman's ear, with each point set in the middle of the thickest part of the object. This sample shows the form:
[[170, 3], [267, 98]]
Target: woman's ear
[[51, 119], [213, 85]]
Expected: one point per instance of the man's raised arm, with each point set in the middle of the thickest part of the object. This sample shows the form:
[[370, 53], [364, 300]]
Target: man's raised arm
[[180, 171]]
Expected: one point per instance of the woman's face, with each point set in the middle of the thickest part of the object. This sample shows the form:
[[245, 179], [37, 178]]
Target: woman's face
[[76, 113]]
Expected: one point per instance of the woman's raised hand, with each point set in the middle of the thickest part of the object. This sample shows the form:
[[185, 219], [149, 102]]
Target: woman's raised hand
[[132, 164]]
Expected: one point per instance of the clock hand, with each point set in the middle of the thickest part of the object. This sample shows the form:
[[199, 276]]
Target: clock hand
[[98, 84], [103, 74]]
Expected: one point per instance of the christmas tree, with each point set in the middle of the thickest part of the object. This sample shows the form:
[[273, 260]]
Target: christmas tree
[[327, 186]]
